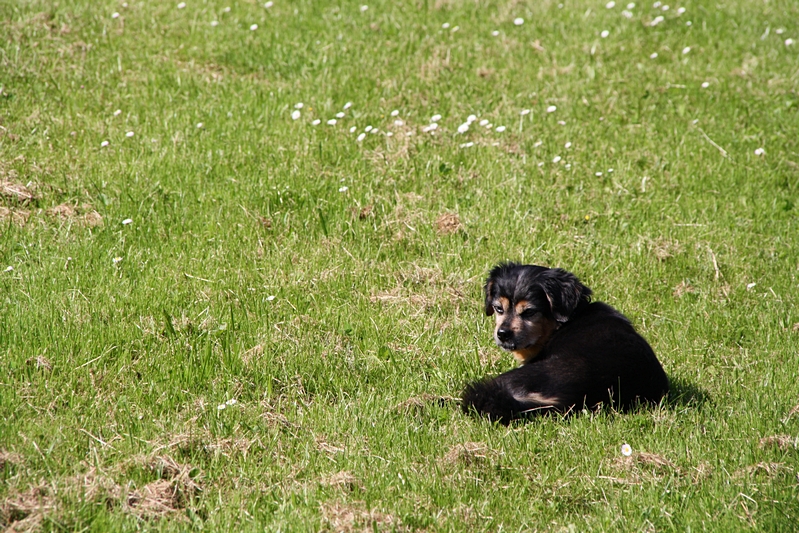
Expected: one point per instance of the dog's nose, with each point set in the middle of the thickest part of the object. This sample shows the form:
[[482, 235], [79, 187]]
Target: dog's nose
[[504, 334]]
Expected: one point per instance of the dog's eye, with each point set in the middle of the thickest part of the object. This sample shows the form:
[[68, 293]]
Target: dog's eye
[[529, 313], [498, 309]]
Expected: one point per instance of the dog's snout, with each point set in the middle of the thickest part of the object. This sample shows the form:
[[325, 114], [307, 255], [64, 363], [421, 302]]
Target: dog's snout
[[504, 334]]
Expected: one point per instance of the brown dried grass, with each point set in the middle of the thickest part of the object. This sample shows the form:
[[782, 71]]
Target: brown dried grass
[[448, 223], [468, 453], [782, 442], [353, 517], [342, 480], [16, 192]]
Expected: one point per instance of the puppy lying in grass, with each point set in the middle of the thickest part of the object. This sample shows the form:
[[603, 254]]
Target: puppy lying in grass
[[573, 353]]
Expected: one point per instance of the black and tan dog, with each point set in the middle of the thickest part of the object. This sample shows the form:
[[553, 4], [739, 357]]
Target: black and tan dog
[[573, 353]]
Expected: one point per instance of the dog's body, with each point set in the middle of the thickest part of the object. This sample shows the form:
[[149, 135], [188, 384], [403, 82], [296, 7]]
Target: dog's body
[[573, 353]]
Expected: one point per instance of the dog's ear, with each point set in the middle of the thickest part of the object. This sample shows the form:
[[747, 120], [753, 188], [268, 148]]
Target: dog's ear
[[488, 289], [564, 293]]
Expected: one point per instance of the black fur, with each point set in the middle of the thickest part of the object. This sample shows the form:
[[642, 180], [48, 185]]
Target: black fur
[[593, 356]]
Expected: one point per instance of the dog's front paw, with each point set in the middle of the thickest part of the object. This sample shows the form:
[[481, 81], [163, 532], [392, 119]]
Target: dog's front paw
[[490, 399]]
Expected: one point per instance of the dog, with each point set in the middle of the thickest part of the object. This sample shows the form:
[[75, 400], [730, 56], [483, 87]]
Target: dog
[[573, 353]]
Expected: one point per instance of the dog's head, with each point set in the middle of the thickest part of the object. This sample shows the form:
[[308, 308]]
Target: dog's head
[[529, 303]]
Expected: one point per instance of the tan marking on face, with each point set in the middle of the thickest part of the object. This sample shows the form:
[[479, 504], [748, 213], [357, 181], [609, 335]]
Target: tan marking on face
[[526, 354], [532, 335], [521, 306], [505, 304]]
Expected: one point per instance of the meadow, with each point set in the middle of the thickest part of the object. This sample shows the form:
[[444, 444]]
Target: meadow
[[242, 249]]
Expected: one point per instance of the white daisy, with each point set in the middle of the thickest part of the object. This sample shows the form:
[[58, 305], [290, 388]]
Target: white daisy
[[518, 21], [254, 27], [103, 144], [604, 34], [626, 450], [552, 109], [295, 115], [500, 129], [760, 151]]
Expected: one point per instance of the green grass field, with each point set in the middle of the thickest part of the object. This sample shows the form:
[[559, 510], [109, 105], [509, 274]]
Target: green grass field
[[218, 315]]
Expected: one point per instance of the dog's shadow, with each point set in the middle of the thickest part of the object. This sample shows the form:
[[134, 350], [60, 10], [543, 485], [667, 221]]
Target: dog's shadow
[[683, 393]]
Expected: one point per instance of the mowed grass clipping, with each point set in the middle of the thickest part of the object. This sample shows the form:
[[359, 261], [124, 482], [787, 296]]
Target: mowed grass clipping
[[222, 310]]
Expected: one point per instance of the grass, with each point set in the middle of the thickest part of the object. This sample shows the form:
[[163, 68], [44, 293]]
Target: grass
[[342, 321]]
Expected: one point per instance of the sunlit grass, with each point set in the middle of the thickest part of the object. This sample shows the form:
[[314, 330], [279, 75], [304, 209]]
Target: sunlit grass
[[242, 249]]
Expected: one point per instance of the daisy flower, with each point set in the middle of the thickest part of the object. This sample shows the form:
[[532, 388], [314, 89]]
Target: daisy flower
[[626, 450]]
